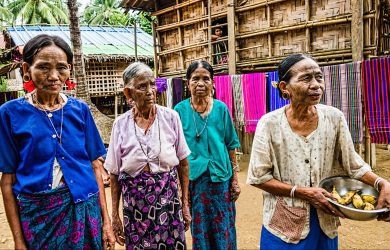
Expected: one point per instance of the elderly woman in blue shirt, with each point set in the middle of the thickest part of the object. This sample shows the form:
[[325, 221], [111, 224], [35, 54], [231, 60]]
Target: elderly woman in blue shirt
[[210, 135], [49, 149]]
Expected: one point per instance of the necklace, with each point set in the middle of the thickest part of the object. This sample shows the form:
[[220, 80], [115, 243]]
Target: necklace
[[140, 144], [49, 116], [197, 137], [207, 104]]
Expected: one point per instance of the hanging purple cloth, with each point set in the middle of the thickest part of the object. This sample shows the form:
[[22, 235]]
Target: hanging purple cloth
[[177, 84], [161, 84]]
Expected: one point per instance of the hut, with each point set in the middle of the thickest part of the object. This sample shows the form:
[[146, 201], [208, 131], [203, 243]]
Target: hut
[[260, 32], [107, 52]]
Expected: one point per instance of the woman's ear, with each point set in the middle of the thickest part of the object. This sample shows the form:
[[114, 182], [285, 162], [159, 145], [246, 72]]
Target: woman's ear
[[25, 67], [127, 93], [282, 85]]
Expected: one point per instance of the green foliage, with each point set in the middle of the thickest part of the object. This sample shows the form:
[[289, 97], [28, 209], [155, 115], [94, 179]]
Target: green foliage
[[108, 12], [6, 16], [39, 11], [3, 84]]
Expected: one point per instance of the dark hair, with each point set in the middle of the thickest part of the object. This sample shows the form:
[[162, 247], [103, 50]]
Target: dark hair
[[196, 64], [284, 73], [34, 45]]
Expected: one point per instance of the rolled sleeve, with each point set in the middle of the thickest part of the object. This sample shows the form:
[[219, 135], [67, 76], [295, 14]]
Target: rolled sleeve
[[260, 164], [231, 138], [9, 156], [113, 159], [352, 162]]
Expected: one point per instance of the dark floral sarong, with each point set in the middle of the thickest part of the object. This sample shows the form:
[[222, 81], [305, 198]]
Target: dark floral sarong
[[51, 220], [213, 215], [152, 211]]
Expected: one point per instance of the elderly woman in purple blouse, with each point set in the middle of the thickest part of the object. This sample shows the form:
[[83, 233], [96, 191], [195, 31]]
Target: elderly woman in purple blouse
[[147, 146]]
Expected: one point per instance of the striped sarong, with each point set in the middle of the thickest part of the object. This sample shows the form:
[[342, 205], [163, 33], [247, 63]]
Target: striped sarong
[[254, 94], [224, 91], [376, 88], [274, 100], [238, 102], [343, 91]]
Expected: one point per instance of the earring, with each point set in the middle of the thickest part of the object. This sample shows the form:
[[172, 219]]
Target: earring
[[286, 96], [26, 78]]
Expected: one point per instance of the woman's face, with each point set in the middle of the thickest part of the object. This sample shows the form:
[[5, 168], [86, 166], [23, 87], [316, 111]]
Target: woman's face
[[49, 70], [306, 85], [143, 91], [218, 32], [200, 83]]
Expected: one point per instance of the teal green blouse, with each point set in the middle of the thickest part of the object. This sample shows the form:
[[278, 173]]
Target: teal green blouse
[[210, 152]]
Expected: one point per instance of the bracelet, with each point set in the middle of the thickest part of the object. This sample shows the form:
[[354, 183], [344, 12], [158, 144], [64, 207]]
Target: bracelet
[[292, 192], [235, 165], [377, 182]]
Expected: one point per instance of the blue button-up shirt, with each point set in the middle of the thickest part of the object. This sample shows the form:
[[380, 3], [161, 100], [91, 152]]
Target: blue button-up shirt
[[28, 147]]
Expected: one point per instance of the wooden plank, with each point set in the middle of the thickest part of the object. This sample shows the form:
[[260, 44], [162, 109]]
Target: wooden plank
[[156, 67], [209, 32], [231, 14], [177, 6], [308, 40]]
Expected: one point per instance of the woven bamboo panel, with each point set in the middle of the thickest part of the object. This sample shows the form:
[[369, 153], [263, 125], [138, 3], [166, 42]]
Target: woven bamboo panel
[[194, 34], [253, 20], [258, 52], [192, 11], [321, 9], [241, 3], [331, 37], [218, 6], [170, 62], [167, 18], [169, 39], [288, 13], [191, 55], [104, 78], [289, 42]]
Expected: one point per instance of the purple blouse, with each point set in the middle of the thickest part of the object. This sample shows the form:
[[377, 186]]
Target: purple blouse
[[162, 147]]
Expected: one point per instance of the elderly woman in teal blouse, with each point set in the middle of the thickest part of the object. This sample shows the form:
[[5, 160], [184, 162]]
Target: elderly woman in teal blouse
[[210, 135]]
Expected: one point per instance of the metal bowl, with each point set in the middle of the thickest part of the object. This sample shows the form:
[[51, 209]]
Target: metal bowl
[[344, 184]]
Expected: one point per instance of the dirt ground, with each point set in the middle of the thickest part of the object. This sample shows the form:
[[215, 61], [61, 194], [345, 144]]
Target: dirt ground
[[352, 234]]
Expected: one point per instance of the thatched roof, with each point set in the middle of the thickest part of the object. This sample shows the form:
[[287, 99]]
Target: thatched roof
[[99, 43], [146, 5]]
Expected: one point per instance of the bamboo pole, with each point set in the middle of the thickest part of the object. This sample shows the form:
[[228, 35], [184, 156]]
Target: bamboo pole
[[258, 5], [190, 21], [180, 36], [231, 37], [209, 31], [155, 49], [135, 42], [269, 35], [190, 46], [177, 6], [308, 40]]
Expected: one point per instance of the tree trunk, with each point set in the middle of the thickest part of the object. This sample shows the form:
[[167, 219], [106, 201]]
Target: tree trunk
[[103, 122]]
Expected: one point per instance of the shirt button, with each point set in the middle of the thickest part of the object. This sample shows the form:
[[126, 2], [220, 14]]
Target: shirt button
[[71, 181], [49, 185], [307, 160], [54, 136], [63, 158]]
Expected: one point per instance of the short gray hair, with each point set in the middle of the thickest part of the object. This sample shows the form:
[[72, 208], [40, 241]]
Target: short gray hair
[[133, 71]]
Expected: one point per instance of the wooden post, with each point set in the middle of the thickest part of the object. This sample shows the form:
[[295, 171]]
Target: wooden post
[[155, 49], [307, 6], [231, 14], [135, 41], [209, 32], [357, 55], [269, 34], [116, 104], [179, 30]]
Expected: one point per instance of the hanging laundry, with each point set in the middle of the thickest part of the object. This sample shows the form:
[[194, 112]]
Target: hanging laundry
[[376, 89], [274, 100], [343, 91], [254, 94], [224, 91], [169, 93], [238, 103], [161, 84], [177, 84]]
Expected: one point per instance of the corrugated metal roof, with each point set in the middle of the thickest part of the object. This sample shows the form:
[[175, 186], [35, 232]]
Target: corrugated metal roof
[[105, 41]]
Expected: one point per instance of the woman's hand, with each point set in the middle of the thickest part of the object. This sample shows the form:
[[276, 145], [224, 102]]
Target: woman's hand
[[384, 200], [108, 236], [186, 216], [117, 227], [317, 198], [235, 189]]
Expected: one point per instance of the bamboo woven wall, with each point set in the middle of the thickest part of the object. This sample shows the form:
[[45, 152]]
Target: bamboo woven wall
[[264, 30]]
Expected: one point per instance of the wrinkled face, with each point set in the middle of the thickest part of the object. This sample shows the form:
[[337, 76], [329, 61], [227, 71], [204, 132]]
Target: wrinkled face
[[306, 86], [218, 32], [49, 70], [143, 90], [200, 83]]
